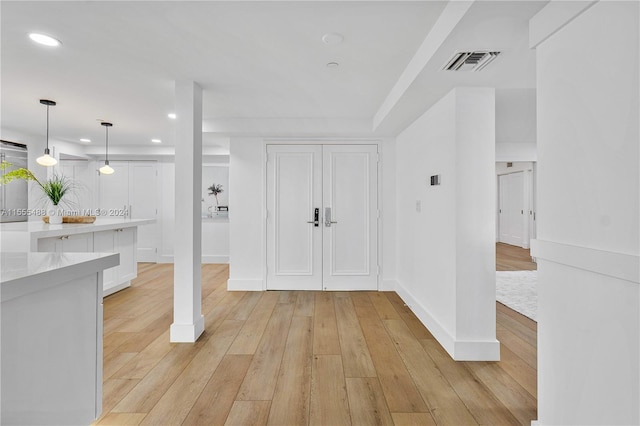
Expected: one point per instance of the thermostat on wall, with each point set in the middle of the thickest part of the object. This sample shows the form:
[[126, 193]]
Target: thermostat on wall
[[435, 180]]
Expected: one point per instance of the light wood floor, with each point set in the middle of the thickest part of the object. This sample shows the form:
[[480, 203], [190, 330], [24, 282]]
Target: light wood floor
[[512, 258], [296, 358]]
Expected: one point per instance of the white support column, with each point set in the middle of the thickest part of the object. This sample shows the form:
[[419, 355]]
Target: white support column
[[188, 322]]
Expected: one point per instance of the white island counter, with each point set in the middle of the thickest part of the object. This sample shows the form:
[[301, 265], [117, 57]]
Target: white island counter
[[51, 336], [105, 235]]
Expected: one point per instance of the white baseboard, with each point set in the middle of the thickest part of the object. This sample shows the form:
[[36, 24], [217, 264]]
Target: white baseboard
[[388, 285], [186, 333], [477, 350], [245, 285], [445, 339], [459, 350], [168, 258], [215, 259]]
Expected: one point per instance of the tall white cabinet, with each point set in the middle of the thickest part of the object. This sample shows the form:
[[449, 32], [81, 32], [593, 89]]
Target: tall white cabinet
[[82, 173], [132, 191]]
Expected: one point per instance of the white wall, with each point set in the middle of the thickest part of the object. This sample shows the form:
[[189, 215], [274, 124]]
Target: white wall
[[445, 245], [502, 168], [214, 174], [588, 219], [387, 202], [248, 206], [516, 125], [215, 233], [167, 173], [246, 214]]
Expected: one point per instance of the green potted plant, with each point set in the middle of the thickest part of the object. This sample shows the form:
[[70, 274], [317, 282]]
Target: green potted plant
[[54, 188]]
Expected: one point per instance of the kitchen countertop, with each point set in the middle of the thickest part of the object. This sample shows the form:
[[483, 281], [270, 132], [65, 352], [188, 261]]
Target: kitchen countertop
[[23, 236], [23, 273], [40, 229]]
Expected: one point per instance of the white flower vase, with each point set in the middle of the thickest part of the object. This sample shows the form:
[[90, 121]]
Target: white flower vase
[[55, 216]]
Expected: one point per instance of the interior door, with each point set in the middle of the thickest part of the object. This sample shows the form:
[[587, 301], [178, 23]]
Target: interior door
[[294, 246], [512, 209], [350, 220], [143, 204], [322, 217]]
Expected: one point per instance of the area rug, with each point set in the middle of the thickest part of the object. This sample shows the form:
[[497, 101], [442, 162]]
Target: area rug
[[517, 290]]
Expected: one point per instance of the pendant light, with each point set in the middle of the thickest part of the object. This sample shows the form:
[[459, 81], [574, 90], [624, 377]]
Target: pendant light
[[47, 159], [106, 169]]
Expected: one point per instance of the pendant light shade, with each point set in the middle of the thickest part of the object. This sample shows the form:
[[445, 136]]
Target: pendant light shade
[[46, 159], [106, 169]]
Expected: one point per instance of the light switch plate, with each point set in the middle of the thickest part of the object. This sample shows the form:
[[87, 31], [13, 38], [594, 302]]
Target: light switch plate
[[418, 206]]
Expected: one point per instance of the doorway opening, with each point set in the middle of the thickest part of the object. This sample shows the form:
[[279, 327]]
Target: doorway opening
[[515, 203]]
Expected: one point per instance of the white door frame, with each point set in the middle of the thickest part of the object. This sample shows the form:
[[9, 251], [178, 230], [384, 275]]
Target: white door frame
[[267, 142], [527, 187]]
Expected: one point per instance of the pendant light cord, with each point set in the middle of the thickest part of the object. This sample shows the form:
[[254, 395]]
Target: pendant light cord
[[106, 150], [47, 127]]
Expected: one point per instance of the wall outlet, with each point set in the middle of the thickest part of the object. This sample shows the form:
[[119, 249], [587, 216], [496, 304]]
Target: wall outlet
[[418, 206]]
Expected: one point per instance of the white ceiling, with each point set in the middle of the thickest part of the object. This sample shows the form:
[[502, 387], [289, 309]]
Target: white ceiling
[[262, 65]]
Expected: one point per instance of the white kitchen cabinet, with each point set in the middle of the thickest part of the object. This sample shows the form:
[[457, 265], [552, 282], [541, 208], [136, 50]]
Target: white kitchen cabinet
[[103, 236], [123, 241], [76, 243], [132, 191]]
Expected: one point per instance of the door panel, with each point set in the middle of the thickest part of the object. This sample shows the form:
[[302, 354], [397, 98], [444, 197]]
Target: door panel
[[82, 173], [512, 220], [113, 188], [330, 256], [132, 189], [350, 190], [504, 224], [143, 205], [294, 252]]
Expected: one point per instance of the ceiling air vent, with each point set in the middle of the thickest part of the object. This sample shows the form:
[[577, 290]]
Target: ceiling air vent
[[470, 61]]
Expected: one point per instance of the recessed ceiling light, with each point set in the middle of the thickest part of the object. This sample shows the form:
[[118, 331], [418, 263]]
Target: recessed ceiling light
[[171, 115], [156, 141], [333, 65], [332, 38], [45, 39], [85, 140]]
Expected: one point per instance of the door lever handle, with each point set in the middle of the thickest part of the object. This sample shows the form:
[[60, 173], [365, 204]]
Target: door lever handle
[[316, 218], [327, 217]]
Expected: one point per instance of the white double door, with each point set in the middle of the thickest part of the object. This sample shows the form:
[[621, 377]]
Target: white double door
[[322, 217]]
